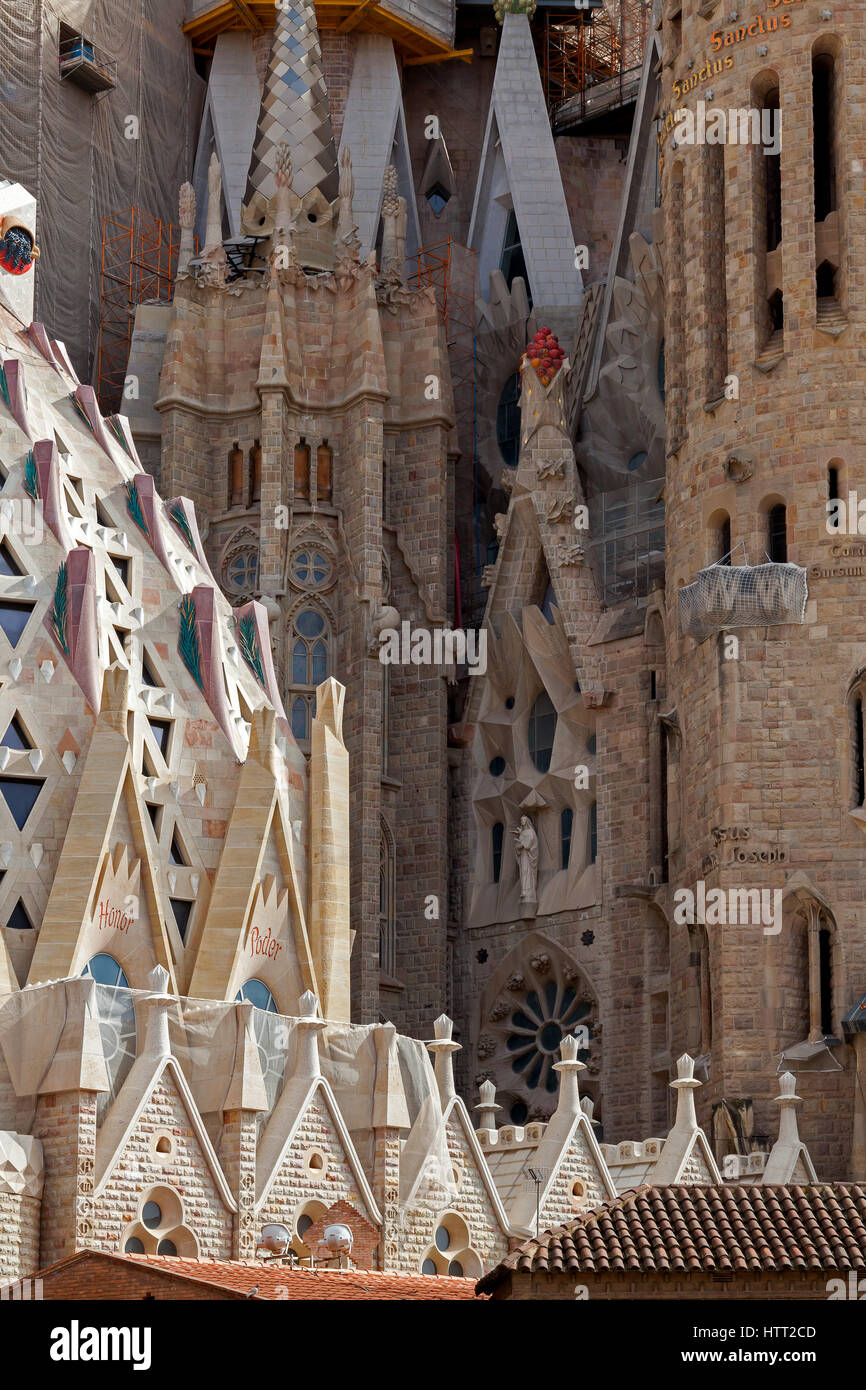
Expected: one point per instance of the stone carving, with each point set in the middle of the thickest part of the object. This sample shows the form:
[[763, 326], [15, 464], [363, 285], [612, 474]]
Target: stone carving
[[486, 1046], [560, 509], [551, 468], [739, 467], [568, 554], [347, 249], [393, 263], [213, 256], [540, 963], [526, 852], [500, 521], [516, 982], [487, 576], [186, 214], [499, 1010]]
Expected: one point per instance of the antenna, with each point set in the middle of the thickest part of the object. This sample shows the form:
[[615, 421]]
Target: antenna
[[537, 1177]]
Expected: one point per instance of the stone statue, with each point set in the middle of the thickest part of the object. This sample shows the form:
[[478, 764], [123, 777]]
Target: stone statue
[[346, 250], [526, 851], [214, 230]]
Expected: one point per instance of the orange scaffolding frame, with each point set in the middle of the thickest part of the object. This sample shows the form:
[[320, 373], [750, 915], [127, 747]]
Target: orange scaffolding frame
[[597, 49], [139, 263]]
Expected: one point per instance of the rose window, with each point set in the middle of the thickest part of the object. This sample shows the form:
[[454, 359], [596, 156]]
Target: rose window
[[242, 571], [536, 1029], [311, 569]]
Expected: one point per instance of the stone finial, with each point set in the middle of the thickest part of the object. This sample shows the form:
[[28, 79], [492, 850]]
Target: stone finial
[[587, 1105], [186, 212], [307, 1066], [442, 1048], [568, 1068], [487, 1106], [213, 236], [685, 1086], [186, 206], [393, 227], [390, 1110], [788, 1100], [159, 980]]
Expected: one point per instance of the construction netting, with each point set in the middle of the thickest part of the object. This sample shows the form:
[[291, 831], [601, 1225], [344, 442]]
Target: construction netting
[[51, 1032], [86, 150], [729, 596]]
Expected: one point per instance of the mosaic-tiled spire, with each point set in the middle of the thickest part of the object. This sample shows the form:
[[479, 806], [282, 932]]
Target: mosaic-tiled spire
[[295, 110]]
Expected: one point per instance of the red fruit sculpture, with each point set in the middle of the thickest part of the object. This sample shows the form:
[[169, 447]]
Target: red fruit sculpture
[[545, 355]]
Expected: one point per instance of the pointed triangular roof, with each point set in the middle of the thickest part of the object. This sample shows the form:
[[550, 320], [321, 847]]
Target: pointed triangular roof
[[294, 110]]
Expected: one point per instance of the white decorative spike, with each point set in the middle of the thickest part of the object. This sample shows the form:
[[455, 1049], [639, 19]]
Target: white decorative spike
[[35, 759], [150, 785], [158, 979], [201, 792], [116, 608], [69, 760], [5, 755], [5, 853], [84, 528], [122, 542], [15, 667], [194, 881], [47, 668], [190, 571], [36, 853], [102, 533], [232, 651], [172, 881], [167, 699], [137, 615], [296, 828]]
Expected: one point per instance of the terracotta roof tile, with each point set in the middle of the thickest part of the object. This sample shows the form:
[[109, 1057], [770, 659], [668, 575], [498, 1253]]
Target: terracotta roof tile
[[705, 1229], [281, 1282]]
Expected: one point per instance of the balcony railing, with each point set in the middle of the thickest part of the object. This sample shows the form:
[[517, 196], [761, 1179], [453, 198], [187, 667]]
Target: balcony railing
[[87, 65]]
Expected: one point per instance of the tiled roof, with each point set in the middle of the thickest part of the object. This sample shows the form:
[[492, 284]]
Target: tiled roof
[[705, 1229], [281, 1282]]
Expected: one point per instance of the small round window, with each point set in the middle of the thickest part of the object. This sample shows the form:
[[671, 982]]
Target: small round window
[[497, 766], [443, 1238], [151, 1215], [134, 1246], [311, 568]]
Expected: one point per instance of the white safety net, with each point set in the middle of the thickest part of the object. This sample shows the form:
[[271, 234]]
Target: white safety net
[[730, 596]]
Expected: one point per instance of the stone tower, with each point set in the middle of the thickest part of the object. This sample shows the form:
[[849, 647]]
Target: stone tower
[[765, 420], [305, 408]]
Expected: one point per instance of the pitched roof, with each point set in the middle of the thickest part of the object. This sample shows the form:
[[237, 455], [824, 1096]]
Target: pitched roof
[[277, 1281], [705, 1229]]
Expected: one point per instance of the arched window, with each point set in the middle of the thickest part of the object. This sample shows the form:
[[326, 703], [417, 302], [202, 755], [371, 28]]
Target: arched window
[[324, 471], [236, 475], [858, 745], [387, 902], [105, 970], [257, 993], [256, 472], [309, 665], [302, 471], [542, 728], [777, 534], [721, 539], [496, 837], [508, 420], [566, 821], [593, 832]]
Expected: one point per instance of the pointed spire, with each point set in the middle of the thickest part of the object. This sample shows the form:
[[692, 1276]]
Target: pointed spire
[[307, 1066], [568, 1068], [294, 110], [685, 1086], [442, 1048], [487, 1107]]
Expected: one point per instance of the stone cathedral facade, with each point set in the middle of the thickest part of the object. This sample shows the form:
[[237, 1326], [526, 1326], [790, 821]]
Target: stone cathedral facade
[[251, 871]]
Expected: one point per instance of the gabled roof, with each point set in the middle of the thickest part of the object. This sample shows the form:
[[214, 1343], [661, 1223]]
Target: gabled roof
[[286, 1119], [704, 1230], [126, 1112]]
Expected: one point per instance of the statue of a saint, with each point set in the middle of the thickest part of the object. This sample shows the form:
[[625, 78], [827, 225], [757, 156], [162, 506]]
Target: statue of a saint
[[526, 851]]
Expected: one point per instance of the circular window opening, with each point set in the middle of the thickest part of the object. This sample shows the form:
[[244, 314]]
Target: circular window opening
[[428, 1267], [509, 703], [550, 1036], [311, 217], [497, 766], [304, 1224], [456, 1268], [443, 1238], [166, 1247], [316, 1161], [163, 1145], [636, 460], [134, 1246], [151, 1215]]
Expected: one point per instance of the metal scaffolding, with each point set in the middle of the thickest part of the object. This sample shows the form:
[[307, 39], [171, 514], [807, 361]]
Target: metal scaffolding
[[139, 262], [593, 60]]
